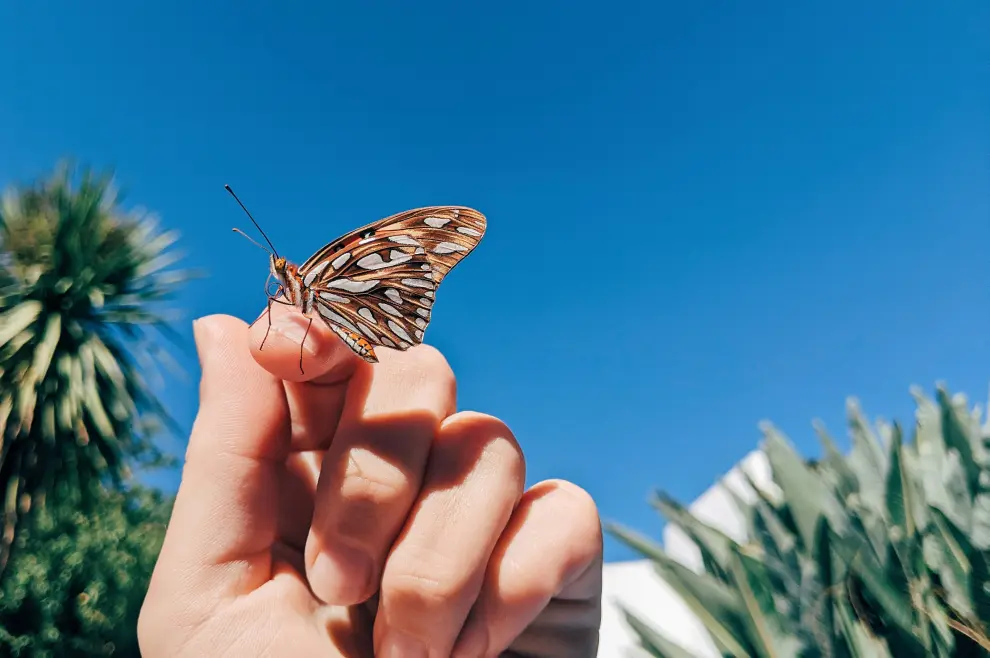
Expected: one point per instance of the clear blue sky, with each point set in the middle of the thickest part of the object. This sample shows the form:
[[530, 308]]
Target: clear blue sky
[[699, 216]]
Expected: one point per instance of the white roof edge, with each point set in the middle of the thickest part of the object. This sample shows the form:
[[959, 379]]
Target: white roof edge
[[635, 584]]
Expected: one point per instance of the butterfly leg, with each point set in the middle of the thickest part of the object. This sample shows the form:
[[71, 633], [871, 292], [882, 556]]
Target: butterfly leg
[[302, 344], [267, 331], [268, 312]]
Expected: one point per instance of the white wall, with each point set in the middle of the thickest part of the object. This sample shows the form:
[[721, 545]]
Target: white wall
[[640, 589]]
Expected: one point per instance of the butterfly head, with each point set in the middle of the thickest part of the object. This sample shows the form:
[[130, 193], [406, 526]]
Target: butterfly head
[[279, 266]]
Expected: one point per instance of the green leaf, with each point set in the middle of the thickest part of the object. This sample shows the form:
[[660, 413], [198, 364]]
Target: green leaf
[[651, 639], [717, 606], [807, 495], [766, 634], [707, 538], [17, 319]]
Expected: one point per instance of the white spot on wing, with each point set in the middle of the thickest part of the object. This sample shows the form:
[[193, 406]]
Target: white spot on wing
[[425, 301], [448, 248], [313, 273], [333, 316], [391, 310], [429, 293], [419, 335], [399, 331], [425, 266], [339, 261], [331, 297], [393, 294], [421, 323], [404, 345], [425, 312], [375, 262], [436, 222], [367, 315], [417, 283], [466, 230], [404, 239], [352, 286], [387, 342]]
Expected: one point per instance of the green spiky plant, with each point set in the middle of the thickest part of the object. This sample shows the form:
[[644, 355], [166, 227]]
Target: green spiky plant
[[884, 552], [83, 288]]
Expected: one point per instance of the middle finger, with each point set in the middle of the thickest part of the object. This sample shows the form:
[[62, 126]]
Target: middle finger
[[373, 469]]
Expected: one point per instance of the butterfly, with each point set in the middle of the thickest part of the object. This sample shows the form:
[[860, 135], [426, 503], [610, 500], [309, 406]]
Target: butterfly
[[375, 286]]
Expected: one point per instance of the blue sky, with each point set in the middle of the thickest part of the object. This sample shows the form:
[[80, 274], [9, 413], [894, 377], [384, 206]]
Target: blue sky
[[700, 216]]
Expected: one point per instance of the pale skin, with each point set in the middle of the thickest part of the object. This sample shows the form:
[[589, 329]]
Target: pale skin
[[352, 511]]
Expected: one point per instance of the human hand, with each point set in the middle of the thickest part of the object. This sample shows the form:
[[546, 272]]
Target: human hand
[[351, 512]]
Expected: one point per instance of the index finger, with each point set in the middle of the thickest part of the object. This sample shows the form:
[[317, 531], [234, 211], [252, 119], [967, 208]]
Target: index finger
[[280, 336], [315, 397]]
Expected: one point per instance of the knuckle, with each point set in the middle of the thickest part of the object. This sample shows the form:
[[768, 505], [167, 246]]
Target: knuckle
[[372, 478], [429, 361], [575, 504], [488, 436], [427, 579]]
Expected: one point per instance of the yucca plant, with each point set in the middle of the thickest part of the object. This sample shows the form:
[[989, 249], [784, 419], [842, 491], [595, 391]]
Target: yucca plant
[[83, 286], [881, 552]]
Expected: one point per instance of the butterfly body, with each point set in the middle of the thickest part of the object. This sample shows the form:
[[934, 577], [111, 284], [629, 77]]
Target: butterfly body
[[376, 285]]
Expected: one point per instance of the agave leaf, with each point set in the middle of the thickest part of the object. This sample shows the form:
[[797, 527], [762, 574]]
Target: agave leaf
[[766, 634], [819, 609], [708, 539], [715, 604], [859, 638], [652, 640], [981, 521], [866, 459], [896, 607], [902, 500], [779, 546], [807, 496], [954, 565], [842, 477], [960, 436]]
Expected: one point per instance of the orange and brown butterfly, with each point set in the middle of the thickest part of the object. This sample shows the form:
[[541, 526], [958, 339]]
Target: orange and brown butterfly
[[375, 286]]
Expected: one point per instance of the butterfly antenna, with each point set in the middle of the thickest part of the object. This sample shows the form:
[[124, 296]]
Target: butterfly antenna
[[253, 241], [253, 221]]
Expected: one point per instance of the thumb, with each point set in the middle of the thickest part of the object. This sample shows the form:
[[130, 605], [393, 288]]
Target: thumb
[[224, 518]]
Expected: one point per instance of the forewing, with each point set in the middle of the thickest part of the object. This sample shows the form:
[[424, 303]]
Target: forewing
[[377, 288], [446, 233]]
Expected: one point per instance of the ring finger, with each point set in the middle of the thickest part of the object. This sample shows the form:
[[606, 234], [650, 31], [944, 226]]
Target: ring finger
[[474, 480]]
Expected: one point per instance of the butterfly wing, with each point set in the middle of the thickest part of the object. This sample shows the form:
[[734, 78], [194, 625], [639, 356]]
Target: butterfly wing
[[379, 291], [446, 233]]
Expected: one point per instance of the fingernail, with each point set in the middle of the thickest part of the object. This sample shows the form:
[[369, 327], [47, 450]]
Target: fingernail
[[294, 328], [201, 336], [397, 644], [341, 576]]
